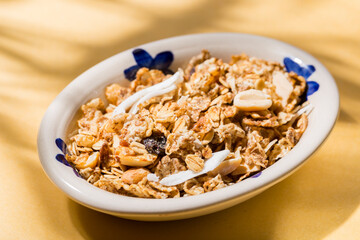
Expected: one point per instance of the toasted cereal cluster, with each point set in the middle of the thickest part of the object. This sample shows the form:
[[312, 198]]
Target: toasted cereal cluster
[[248, 106]]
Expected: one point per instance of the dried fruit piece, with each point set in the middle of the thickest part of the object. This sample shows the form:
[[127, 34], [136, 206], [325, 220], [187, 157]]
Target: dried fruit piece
[[155, 144]]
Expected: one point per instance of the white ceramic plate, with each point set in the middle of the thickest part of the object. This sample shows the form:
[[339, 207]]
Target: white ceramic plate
[[91, 84]]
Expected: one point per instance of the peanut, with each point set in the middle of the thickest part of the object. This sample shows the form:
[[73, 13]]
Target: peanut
[[252, 100], [134, 175], [138, 161], [90, 161]]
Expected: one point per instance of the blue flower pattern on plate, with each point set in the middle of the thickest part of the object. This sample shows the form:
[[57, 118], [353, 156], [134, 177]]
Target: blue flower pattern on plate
[[256, 175], [305, 71], [162, 61], [61, 157]]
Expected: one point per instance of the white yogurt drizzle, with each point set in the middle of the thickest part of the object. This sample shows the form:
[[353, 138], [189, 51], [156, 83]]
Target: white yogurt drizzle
[[147, 93], [270, 145], [306, 109], [183, 176], [150, 95]]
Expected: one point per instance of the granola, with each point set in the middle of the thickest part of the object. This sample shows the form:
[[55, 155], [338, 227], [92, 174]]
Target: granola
[[192, 132]]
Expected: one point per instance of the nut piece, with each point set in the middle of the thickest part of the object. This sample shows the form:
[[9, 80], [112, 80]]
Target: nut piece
[[260, 84], [283, 86], [134, 175], [226, 167], [252, 100], [138, 161], [194, 162], [90, 162], [97, 146]]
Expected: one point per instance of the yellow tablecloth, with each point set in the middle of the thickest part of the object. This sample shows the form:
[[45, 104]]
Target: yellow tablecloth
[[45, 44]]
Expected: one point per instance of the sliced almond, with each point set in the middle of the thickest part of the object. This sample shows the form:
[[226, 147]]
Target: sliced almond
[[226, 167], [98, 145], [116, 141], [208, 137], [283, 87], [252, 100]]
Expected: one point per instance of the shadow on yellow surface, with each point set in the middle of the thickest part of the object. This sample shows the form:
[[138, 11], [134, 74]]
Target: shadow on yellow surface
[[296, 205], [80, 47]]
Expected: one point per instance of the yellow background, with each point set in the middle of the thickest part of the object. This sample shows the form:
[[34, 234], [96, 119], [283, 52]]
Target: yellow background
[[45, 44]]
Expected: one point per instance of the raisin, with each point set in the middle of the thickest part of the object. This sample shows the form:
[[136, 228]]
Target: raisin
[[155, 144]]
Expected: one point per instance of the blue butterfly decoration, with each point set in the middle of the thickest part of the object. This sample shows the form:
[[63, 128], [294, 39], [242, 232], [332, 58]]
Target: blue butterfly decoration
[[61, 157], [161, 61], [305, 71]]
